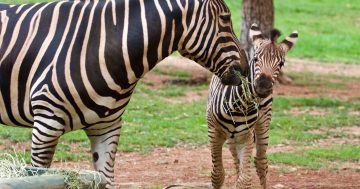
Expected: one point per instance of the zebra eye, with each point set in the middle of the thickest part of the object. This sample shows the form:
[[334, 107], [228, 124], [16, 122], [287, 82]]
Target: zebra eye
[[281, 64], [255, 59], [225, 17]]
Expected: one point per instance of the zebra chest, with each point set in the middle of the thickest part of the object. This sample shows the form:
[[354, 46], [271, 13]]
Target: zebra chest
[[236, 120]]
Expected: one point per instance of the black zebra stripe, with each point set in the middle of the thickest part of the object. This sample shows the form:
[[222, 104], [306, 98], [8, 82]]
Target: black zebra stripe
[[234, 116], [71, 65]]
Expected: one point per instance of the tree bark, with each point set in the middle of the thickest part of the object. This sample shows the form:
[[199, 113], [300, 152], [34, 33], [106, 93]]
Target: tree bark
[[260, 12]]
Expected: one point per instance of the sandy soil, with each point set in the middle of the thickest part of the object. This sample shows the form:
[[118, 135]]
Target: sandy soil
[[192, 164]]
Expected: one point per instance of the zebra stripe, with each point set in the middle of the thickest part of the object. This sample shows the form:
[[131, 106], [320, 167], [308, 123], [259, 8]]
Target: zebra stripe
[[74, 64], [240, 118]]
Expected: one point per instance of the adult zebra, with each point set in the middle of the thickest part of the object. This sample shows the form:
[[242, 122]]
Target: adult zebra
[[71, 65], [242, 114]]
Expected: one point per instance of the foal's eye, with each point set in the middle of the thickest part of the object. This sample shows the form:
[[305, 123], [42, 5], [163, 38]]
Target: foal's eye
[[225, 17], [281, 64]]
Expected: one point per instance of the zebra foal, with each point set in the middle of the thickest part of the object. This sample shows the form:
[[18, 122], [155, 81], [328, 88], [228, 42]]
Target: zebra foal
[[74, 64], [242, 114]]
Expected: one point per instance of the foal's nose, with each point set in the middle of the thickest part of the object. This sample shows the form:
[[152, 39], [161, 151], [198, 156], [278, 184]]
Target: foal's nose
[[264, 82]]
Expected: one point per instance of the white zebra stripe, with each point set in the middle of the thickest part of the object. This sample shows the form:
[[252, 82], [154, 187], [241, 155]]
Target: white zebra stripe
[[130, 73], [54, 78], [33, 30], [4, 23], [113, 4], [44, 47], [90, 114], [102, 63], [163, 28], [13, 90], [146, 37]]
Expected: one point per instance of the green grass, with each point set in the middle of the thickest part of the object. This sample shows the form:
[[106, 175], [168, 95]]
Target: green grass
[[171, 72], [289, 128], [329, 30], [15, 134], [320, 81], [318, 157], [62, 154], [150, 120]]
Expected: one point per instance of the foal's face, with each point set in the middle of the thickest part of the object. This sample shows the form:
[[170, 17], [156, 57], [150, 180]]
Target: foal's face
[[268, 59]]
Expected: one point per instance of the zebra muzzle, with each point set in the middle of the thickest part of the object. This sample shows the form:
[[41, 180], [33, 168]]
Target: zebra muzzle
[[263, 86], [231, 75]]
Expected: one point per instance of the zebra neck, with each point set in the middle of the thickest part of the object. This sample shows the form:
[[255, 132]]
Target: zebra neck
[[239, 98], [147, 32]]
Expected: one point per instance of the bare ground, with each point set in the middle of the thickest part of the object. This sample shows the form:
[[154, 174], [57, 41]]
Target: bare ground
[[191, 165], [170, 166]]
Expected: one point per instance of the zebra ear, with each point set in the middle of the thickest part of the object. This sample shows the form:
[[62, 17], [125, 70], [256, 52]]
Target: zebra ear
[[255, 34], [289, 41]]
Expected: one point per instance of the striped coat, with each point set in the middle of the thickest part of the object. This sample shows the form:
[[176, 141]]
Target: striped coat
[[241, 114], [72, 65]]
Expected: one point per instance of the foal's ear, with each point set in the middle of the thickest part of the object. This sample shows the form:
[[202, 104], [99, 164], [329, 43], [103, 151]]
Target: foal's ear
[[274, 35], [255, 34], [289, 41]]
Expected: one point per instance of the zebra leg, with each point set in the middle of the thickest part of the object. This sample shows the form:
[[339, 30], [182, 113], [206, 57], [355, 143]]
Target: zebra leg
[[45, 135], [217, 140], [241, 150], [232, 148], [104, 144], [261, 162]]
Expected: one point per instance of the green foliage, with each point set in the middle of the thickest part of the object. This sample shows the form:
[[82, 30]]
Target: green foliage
[[281, 102], [290, 127], [318, 157], [328, 29], [15, 134], [150, 120], [154, 119], [173, 73]]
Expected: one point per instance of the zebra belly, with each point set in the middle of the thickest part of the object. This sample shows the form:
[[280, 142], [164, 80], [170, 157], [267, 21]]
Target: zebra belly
[[72, 112]]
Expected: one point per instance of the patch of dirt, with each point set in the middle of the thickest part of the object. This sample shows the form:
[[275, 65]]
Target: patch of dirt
[[300, 65], [171, 166], [352, 131], [309, 111], [18, 146], [155, 80], [189, 97], [201, 75]]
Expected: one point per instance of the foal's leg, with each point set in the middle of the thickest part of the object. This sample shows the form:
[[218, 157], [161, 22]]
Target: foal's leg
[[261, 162], [217, 140], [262, 142], [241, 149]]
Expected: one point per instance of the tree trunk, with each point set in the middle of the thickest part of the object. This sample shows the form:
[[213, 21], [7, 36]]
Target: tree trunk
[[260, 12]]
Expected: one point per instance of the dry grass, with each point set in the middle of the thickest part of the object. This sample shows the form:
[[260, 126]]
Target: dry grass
[[13, 166]]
